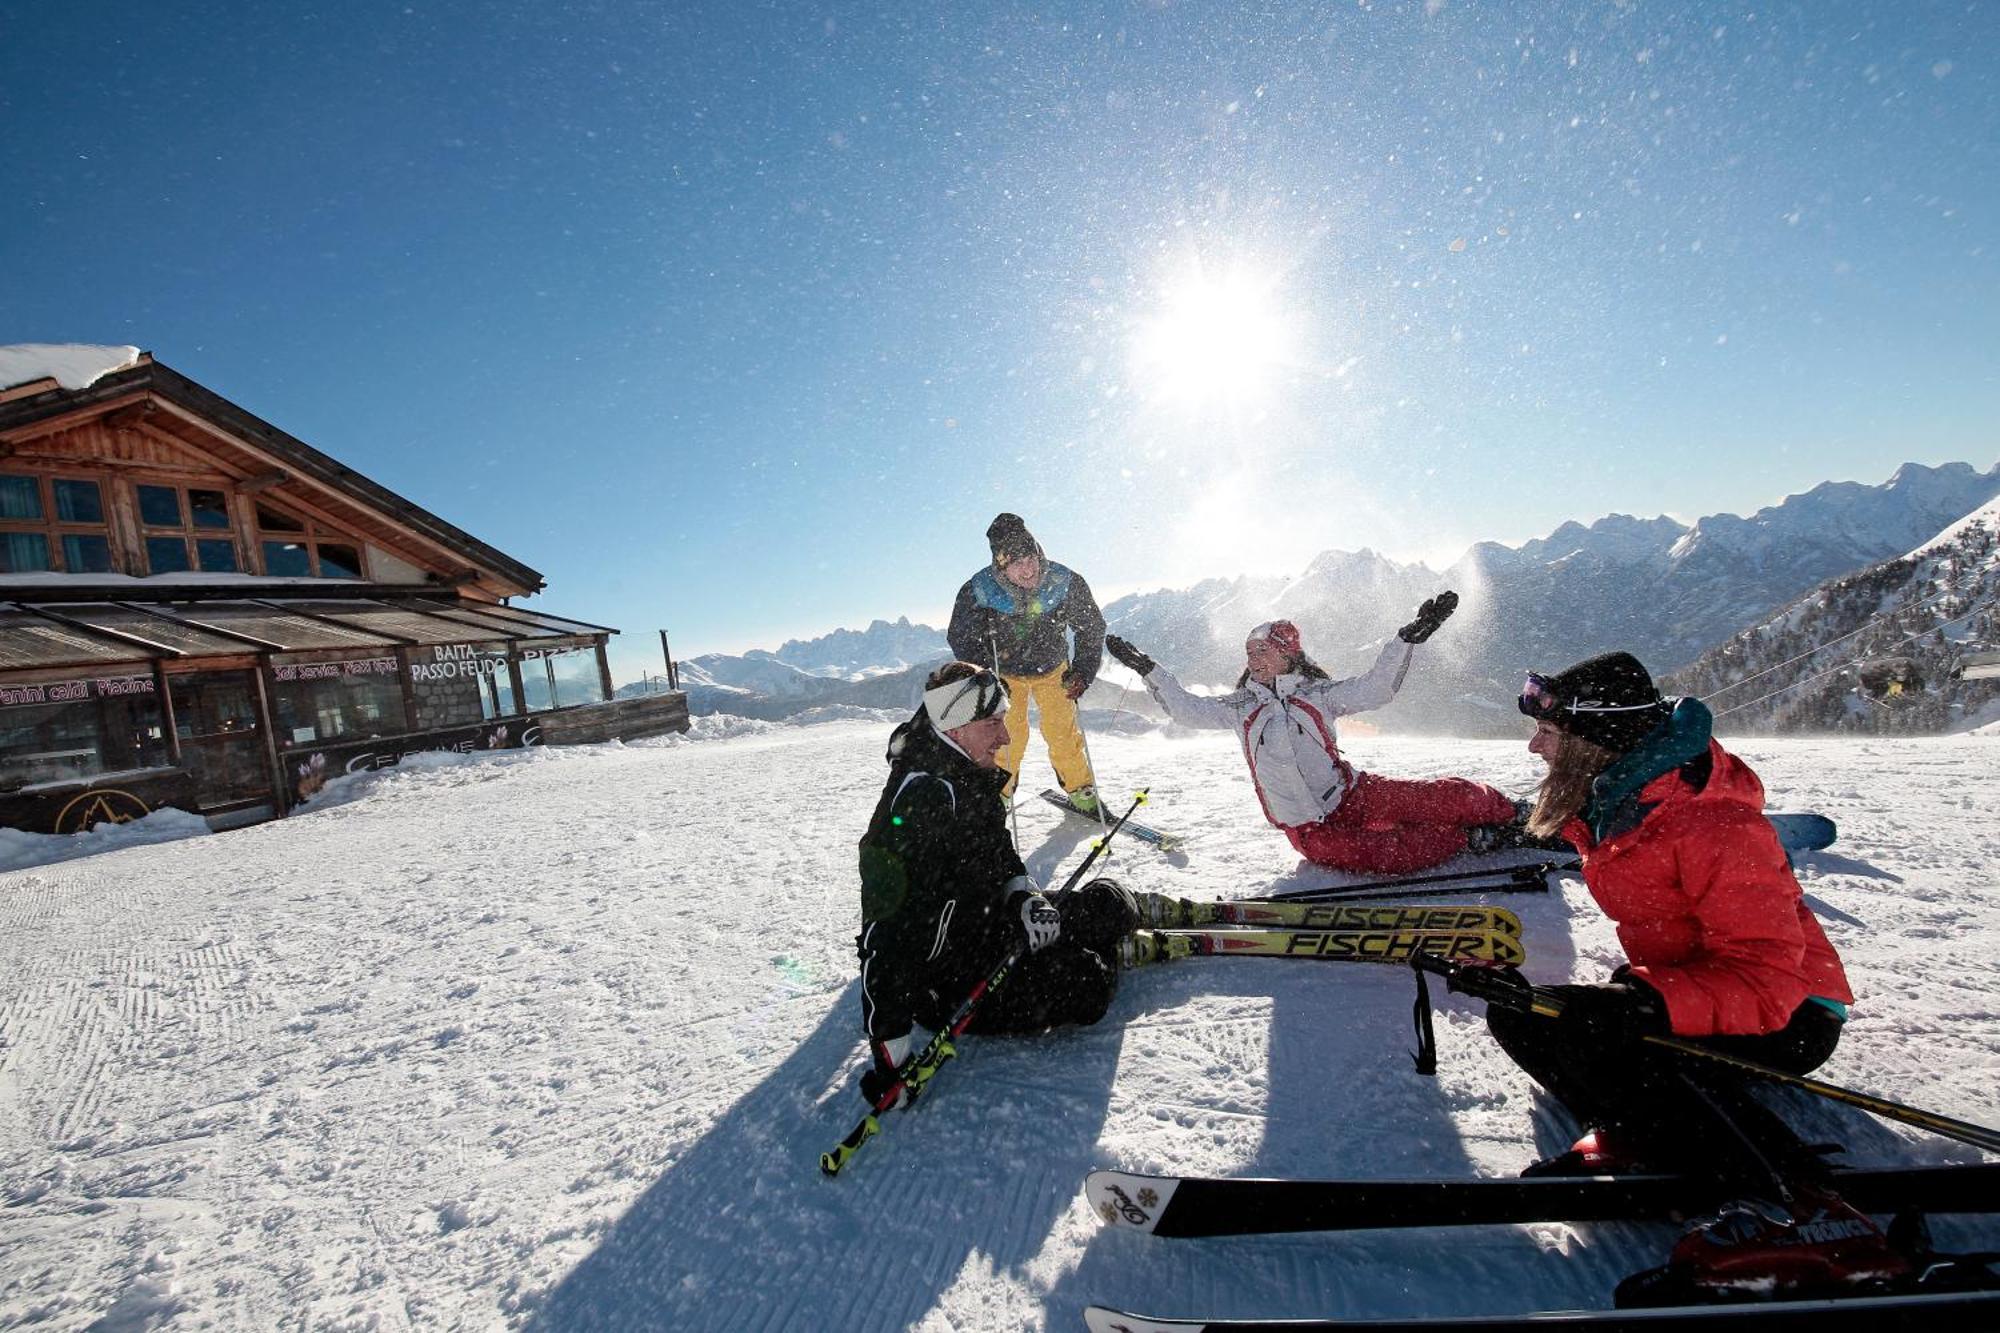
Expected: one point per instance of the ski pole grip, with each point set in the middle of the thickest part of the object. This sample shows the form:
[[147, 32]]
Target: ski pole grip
[[1485, 983]]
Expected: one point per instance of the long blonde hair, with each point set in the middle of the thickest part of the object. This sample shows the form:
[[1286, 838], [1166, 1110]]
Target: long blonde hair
[[1564, 791]]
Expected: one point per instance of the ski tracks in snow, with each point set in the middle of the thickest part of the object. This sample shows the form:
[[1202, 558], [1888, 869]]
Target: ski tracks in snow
[[553, 1040]]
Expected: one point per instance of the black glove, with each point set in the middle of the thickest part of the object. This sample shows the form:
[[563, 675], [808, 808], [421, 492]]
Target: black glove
[[1430, 615], [1074, 683], [876, 1081], [1614, 1013], [1041, 923], [1127, 656]]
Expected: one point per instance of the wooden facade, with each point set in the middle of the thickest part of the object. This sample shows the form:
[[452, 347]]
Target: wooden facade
[[198, 609]]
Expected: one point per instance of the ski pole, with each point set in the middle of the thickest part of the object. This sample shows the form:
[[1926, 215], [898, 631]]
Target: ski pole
[[1518, 884], [1088, 762], [1527, 877], [1481, 983], [1098, 845], [919, 1068]]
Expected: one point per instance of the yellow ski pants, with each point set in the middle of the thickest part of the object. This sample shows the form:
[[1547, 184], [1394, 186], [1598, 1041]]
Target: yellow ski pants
[[1059, 729]]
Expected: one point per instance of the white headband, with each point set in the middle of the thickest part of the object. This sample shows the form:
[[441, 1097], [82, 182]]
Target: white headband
[[958, 702]]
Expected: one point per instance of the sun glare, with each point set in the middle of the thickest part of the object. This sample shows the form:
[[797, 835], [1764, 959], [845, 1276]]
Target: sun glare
[[1216, 338]]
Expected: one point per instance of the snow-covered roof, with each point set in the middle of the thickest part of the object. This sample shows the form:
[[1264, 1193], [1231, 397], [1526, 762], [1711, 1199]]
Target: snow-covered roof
[[72, 365]]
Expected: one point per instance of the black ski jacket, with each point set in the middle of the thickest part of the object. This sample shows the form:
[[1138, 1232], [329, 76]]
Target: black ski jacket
[[935, 863]]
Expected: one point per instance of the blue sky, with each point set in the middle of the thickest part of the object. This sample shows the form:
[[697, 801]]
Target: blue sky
[[744, 319]]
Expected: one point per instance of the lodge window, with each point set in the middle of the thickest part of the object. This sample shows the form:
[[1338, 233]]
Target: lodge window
[[364, 699], [293, 548], [560, 677], [52, 523], [186, 528], [94, 733]]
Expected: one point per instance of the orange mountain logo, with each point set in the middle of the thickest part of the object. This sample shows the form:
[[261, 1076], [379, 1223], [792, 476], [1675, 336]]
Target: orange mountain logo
[[107, 805]]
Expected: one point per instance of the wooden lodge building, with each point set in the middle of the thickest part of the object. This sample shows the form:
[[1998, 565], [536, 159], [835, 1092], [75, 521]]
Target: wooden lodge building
[[199, 610]]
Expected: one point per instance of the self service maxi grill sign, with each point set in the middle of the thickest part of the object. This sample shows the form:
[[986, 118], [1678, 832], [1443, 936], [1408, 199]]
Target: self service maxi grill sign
[[366, 666]]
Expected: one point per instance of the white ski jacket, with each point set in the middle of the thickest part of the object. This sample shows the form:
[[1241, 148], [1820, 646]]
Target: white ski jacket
[[1287, 730]]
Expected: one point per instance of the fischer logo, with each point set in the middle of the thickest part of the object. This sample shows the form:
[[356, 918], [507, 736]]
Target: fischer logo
[[1822, 1230], [1347, 916], [1398, 946]]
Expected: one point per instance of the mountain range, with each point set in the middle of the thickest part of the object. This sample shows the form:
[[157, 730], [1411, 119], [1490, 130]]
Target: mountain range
[[1664, 590], [1873, 651]]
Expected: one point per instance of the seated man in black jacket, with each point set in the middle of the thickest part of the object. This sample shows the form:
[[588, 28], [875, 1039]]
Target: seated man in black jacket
[[945, 897]]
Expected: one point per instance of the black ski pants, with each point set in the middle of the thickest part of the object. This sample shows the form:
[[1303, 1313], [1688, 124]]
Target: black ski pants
[[1679, 1112], [1070, 981]]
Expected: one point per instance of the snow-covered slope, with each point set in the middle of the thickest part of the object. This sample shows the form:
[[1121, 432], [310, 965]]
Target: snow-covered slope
[[553, 1039], [1870, 651]]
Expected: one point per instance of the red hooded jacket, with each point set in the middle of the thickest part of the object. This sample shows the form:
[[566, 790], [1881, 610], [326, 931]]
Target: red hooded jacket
[[1706, 906]]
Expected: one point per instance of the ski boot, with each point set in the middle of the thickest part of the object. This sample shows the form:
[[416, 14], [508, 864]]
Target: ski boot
[[1600, 1152], [1819, 1247], [1143, 948], [1164, 913], [1084, 801]]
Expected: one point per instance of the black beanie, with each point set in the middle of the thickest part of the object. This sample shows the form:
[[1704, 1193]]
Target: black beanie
[[1008, 536], [1604, 700]]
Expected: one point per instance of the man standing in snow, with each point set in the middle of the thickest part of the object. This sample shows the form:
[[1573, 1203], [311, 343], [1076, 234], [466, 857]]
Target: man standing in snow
[[944, 896], [1036, 624]]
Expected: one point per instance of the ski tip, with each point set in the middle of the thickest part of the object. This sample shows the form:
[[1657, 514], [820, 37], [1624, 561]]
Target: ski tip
[[1123, 1200], [1104, 1319]]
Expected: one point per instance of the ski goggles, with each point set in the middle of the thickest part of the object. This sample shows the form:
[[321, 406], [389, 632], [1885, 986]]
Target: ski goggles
[[1540, 701], [955, 703]]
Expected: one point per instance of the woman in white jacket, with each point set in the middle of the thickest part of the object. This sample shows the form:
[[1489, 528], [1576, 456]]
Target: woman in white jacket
[[1282, 711]]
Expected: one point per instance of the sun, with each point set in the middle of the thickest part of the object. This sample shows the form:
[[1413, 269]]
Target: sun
[[1216, 338]]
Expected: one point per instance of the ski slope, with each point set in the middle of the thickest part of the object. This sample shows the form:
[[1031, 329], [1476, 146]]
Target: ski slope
[[553, 1039]]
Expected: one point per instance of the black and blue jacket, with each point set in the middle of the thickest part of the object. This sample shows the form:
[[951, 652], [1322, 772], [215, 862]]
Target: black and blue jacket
[[1019, 633]]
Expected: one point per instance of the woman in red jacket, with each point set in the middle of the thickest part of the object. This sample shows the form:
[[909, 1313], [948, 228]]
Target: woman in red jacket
[[1721, 949]]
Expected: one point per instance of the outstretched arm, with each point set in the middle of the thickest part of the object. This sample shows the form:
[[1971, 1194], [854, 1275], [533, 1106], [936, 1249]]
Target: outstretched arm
[[1214, 712], [1371, 689]]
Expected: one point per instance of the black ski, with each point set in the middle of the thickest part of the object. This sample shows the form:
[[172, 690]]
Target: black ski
[[1166, 842], [1196, 1206], [1927, 1312]]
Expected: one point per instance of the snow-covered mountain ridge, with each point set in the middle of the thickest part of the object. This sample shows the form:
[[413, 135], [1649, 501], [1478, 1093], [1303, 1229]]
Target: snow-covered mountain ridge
[[1659, 588], [1655, 587], [1871, 651]]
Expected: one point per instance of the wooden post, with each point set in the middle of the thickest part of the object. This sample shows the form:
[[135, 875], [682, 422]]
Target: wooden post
[[514, 678], [165, 687], [604, 668], [281, 794], [673, 672], [406, 679]]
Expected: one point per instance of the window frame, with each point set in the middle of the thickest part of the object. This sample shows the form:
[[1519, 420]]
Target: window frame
[[189, 533], [53, 529], [311, 534]]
